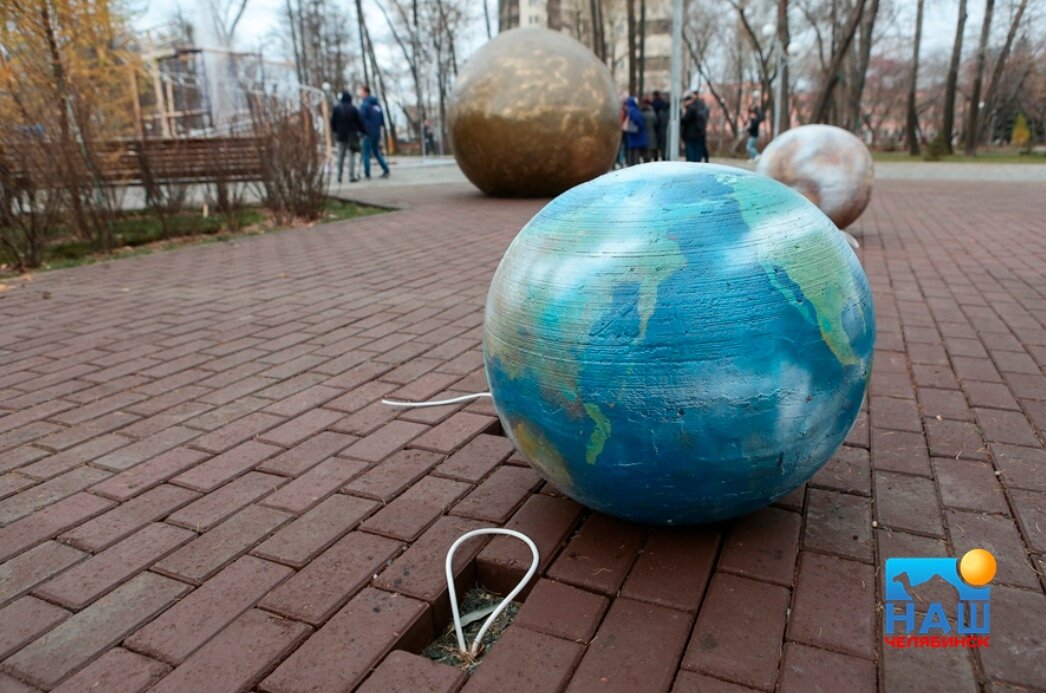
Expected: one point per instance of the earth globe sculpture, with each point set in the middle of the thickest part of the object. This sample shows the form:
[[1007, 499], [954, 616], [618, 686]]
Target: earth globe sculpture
[[533, 113], [677, 343], [829, 165]]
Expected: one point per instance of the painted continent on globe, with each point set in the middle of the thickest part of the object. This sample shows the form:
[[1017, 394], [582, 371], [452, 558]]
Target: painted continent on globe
[[678, 343]]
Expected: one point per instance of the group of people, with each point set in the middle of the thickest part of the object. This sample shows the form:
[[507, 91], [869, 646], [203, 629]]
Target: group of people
[[644, 129], [358, 131]]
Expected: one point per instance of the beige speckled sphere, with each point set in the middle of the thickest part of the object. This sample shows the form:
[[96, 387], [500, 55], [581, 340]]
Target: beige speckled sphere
[[829, 165], [532, 114]]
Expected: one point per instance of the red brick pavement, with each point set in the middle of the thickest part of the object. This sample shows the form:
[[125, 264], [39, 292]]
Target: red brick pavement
[[200, 489]]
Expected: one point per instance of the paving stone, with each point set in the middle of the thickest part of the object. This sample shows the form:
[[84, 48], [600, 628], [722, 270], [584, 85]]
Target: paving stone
[[691, 682], [24, 620], [23, 572], [314, 485], [418, 507], [969, 485], [839, 523], [763, 545], [454, 432], [834, 605], [1030, 508], [190, 623], [738, 631], [548, 521], [907, 502], [905, 670], [419, 571], [1006, 427], [301, 458], [402, 671], [477, 458], [213, 550], [525, 660], [1020, 467], [218, 505], [148, 475], [41, 495], [995, 395], [848, 471], [209, 475], [237, 432], [499, 495], [301, 428], [895, 414], [955, 439], [59, 463], [673, 568], [117, 671], [600, 555], [87, 581], [146, 449], [810, 669], [239, 657], [323, 586], [1000, 536], [1018, 652], [49, 522], [304, 538], [362, 632], [384, 441], [555, 608], [947, 404], [902, 545], [83, 637], [390, 477], [899, 451]]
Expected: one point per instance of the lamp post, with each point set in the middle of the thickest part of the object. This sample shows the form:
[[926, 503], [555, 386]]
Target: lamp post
[[677, 78]]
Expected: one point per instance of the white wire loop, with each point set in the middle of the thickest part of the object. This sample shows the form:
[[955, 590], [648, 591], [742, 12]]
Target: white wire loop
[[473, 650], [435, 402]]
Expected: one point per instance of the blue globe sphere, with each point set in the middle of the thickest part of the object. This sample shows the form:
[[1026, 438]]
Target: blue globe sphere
[[678, 343]]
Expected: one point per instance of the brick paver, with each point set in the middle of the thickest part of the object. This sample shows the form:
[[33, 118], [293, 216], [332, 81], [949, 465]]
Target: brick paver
[[199, 488]]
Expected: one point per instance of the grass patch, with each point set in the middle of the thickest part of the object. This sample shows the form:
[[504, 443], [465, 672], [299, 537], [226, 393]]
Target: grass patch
[[141, 233], [987, 156], [445, 648]]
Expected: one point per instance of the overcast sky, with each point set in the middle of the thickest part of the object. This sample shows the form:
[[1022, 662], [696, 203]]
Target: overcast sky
[[262, 19]]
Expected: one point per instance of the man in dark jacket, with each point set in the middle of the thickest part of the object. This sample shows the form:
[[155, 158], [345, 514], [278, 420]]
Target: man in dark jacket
[[694, 128], [347, 126], [661, 108], [373, 122]]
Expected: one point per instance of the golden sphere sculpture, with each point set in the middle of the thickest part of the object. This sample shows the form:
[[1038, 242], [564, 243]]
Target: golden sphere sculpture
[[829, 165], [533, 113]]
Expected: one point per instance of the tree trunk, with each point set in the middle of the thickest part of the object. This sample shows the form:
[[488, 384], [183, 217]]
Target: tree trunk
[[361, 26], [911, 123], [632, 47], [973, 111], [784, 120], [1000, 62], [863, 58], [824, 98], [486, 17], [948, 119], [642, 48], [599, 46]]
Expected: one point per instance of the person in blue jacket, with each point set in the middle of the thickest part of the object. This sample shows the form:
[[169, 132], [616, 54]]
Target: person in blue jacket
[[636, 138], [373, 121]]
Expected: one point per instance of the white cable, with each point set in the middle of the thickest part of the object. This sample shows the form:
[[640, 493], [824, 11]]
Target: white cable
[[850, 239], [474, 649], [435, 402]]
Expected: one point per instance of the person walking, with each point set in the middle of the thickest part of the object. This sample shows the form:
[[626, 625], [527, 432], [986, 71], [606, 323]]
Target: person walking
[[347, 126], [635, 132], [754, 121], [694, 128], [663, 121], [650, 124], [373, 121]]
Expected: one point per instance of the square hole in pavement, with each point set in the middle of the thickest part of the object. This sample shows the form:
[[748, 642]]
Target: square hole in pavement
[[444, 649]]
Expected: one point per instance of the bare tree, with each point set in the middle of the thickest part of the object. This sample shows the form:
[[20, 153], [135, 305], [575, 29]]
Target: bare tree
[[1000, 61], [831, 77], [632, 47], [911, 123], [860, 72], [225, 17], [948, 120], [972, 111]]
